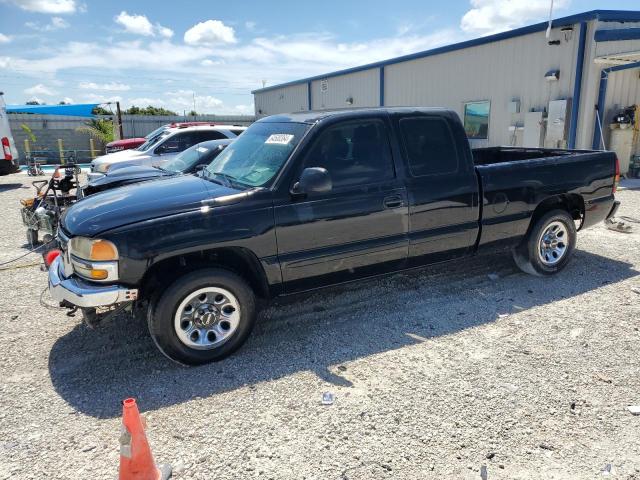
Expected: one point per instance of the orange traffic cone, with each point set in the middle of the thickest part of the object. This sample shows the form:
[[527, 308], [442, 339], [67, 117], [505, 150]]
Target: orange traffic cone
[[136, 459]]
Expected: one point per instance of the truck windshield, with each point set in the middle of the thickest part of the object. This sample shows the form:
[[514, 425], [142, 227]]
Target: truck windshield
[[152, 141], [198, 154], [257, 155]]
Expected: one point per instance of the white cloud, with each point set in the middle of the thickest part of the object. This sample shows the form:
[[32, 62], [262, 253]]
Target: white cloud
[[207, 62], [57, 23], [48, 6], [4, 38], [108, 87], [493, 16], [140, 25], [97, 98], [164, 31], [36, 99], [210, 32], [39, 89], [68, 100], [251, 26]]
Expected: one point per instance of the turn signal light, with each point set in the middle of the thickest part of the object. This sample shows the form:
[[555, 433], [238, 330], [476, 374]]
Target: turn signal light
[[98, 274], [103, 250], [616, 178], [27, 202]]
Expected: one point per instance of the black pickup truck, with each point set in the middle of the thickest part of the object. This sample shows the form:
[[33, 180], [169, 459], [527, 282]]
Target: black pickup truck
[[306, 200]]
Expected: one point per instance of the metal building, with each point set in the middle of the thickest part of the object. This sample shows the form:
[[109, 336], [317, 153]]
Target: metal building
[[513, 88]]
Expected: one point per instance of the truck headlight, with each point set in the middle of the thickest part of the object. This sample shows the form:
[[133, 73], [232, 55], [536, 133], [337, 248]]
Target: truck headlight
[[94, 259], [103, 167]]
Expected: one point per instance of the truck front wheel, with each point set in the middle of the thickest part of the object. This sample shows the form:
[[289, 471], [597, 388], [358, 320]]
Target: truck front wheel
[[548, 246], [202, 317]]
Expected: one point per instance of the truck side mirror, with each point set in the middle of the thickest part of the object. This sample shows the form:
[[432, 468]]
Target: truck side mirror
[[313, 180]]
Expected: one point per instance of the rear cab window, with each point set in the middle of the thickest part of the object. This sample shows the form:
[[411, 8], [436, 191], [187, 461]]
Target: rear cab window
[[429, 146]]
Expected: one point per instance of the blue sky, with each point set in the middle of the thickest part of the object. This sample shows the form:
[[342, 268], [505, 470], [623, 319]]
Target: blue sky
[[167, 53]]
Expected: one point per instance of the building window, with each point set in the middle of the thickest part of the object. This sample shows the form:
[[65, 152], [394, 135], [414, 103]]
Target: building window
[[476, 119]]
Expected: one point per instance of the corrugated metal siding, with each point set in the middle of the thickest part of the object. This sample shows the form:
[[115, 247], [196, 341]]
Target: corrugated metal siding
[[499, 72], [283, 100], [362, 87], [621, 46], [623, 90]]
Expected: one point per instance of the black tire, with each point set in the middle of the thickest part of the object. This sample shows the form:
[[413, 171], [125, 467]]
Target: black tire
[[527, 256], [162, 310], [32, 237]]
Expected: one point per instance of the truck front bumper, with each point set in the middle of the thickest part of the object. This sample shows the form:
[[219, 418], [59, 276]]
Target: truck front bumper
[[85, 294]]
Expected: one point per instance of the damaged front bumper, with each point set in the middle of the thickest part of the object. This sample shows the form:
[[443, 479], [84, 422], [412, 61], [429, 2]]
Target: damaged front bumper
[[84, 294]]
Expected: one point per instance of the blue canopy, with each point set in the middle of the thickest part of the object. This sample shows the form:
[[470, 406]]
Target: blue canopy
[[79, 110]]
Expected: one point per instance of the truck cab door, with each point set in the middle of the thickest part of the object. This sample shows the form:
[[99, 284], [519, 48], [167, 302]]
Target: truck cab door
[[442, 187], [357, 228]]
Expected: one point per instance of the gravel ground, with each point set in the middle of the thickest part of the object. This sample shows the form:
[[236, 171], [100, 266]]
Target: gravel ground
[[441, 373]]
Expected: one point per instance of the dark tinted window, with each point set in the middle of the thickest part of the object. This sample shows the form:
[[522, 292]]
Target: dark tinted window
[[177, 143], [236, 131], [354, 153], [210, 135], [429, 145]]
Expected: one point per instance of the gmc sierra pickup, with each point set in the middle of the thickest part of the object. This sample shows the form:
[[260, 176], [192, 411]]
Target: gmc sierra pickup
[[306, 200]]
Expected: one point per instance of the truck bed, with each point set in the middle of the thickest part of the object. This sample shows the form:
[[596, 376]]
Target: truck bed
[[493, 155]]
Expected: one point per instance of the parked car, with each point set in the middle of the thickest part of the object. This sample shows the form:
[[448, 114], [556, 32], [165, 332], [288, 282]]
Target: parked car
[[186, 162], [9, 155], [131, 143], [164, 145], [306, 200], [124, 144]]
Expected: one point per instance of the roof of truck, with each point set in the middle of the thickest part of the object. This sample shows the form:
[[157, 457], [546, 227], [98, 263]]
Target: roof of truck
[[315, 116]]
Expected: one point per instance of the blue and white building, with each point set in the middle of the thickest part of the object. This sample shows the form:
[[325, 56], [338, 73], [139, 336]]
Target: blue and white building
[[513, 88]]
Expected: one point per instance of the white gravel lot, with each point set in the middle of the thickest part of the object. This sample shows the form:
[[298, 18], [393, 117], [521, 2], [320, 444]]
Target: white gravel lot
[[436, 374]]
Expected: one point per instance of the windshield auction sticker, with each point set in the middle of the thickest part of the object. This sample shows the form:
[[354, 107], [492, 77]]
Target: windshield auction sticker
[[280, 138]]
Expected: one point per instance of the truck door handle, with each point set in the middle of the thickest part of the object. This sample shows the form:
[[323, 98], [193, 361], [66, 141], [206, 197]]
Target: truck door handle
[[393, 201]]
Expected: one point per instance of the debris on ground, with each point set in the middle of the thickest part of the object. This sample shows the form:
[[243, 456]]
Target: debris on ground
[[493, 276], [622, 227], [634, 409], [328, 398]]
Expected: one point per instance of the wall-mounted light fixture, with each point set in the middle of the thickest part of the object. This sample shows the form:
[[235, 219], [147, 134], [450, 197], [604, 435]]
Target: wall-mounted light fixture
[[349, 100], [552, 76]]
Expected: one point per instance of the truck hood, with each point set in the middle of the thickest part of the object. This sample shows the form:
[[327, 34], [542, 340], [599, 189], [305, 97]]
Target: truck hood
[[138, 202], [119, 156], [132, 174], [127, 142]]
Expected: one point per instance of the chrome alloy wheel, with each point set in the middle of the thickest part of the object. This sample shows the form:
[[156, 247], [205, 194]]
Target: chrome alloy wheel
[[207, 318], [553, 243]]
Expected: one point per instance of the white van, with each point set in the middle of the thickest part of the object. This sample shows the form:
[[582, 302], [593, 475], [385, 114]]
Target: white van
[[9, 153]]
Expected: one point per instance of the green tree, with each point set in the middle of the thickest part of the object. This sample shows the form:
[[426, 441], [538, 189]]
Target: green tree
[[98, 110], [34, 102], [149, 110], [193, 113], [100, 129]]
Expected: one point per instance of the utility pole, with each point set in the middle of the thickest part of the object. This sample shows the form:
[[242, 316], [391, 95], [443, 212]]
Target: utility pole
[[119, 114]]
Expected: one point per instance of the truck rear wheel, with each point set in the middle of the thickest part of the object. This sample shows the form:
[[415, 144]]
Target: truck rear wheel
[[202, 317], [548, 246]]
